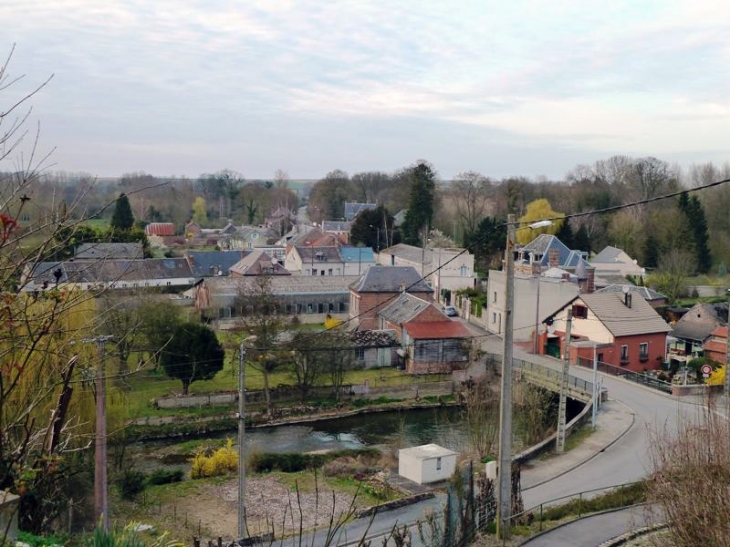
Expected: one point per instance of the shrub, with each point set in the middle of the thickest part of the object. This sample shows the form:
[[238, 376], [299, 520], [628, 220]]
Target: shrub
[[165, 476], [221, 462], [40, 541], [292, 463], [131, 483]]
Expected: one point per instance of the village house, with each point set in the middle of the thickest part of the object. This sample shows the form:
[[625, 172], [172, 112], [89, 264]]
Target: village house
[[109, 274], [446, 269], [356, 259], [632, 334], [339, 228], [612, 265], [309, 260], [378, 287], [715, 346], [535, 298], [257, 262], [354, 209], [654, 298], [694, 327], [547, 251], [212, 263]]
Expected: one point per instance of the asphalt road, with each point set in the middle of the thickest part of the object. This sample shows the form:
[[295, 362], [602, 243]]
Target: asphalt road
[[629, 459]]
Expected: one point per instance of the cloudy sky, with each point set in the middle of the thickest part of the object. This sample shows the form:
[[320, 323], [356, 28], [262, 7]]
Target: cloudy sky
[[503, 87]]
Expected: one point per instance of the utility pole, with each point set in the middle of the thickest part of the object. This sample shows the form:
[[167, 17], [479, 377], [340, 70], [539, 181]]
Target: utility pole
[[596, 391], [562, 406], [727, 360], [241, 440], [101, 489], [504, 469], [537, 316]]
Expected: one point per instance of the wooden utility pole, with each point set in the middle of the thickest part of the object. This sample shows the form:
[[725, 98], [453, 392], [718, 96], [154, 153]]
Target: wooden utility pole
[[562, 406], [241, 441], [101, 489], [504, 469]]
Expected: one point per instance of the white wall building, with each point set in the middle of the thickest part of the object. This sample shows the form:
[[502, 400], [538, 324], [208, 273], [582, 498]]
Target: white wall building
[[553, 295], [427, 463], [444, 268]]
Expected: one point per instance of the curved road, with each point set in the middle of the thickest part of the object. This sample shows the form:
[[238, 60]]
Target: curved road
[[628, 459]]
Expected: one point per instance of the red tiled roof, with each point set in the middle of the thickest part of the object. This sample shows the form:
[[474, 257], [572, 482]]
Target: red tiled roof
[[718, 347], [720, 332], [436, 330], [160, 229]]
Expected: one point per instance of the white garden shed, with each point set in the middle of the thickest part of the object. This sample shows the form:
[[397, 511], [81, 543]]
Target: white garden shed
[[427, 463]]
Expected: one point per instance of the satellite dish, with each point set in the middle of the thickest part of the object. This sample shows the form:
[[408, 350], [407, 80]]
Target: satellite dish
[[551, 329], [274, 261], [254, 235], [625, 289]]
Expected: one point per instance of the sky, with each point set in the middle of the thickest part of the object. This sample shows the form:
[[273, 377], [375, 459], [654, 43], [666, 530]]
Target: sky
[[519, 87]]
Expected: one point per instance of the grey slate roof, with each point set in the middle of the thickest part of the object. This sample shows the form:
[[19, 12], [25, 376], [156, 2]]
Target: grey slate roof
[[96, 251], [391, 279], [354, 209], [410, 253], [404, 308], [540, 246], [700, 320], [622, 320], [318, 254], [107, 271], [206, 263], [645, 292], [607, 255]]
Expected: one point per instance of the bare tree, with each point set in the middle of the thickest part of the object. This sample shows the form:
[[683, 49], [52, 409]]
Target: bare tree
[[262, 316], [472, 195]]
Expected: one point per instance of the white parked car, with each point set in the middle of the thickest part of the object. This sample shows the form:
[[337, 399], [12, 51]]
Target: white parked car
[[451, 311]]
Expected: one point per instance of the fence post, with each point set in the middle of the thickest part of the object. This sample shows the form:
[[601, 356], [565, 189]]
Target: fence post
[[580, 505], [541, 517]]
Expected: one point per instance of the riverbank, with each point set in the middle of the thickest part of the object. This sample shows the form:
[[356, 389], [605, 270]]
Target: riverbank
[[173, 427]]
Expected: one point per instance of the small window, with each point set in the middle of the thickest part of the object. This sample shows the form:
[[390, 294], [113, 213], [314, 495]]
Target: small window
[[309, 308], [644, 352], [494, 317], [580, 312], [329, 272], [624, 355], [360, 354], [438, 464], [494, 296], [463, 271], [321, 273], [314, 272]]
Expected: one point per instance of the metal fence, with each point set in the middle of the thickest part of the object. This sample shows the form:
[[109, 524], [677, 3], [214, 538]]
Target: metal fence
[[638, 377], [551, 374]]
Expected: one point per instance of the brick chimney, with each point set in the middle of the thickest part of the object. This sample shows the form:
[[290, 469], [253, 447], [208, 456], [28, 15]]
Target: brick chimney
[[553, 258]]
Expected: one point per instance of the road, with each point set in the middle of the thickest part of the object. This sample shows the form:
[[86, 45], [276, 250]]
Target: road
[[628, 459]]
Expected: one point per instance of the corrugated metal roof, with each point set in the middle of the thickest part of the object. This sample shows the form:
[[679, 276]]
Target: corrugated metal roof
[[622, 320], [404, 308], [436, 330], [160, 229]]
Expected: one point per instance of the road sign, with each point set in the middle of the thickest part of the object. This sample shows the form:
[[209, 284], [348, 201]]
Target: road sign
[[706, 370]]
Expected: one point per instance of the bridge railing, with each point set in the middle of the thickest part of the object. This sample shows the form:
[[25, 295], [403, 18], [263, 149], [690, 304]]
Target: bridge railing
[[554, 376], [637, 377]]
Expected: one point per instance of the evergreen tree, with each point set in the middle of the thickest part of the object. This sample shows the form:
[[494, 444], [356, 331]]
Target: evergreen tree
[[695, 215], [419, 216], [193, 353], [582, 241], [122, 219], [487, 243], [565, 234], [651, 251]]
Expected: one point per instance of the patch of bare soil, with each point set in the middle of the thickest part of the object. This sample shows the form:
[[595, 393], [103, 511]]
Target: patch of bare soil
[[269, 504]]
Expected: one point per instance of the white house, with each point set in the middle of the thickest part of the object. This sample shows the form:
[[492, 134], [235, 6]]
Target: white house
[[315, 260], [532, 302], [613, 262], [445, 268], [427, 463]]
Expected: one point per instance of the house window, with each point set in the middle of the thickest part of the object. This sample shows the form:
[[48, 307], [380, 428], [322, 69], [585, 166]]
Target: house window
[[438, 464], [624, 355], [494, 296], [309, 308], [360, 354], [580, 312], [494, 317], [644, 352], [321, 273], [320, 308], [308, 271], [329, 272], [463, 271], [314, 272], [330, 307]]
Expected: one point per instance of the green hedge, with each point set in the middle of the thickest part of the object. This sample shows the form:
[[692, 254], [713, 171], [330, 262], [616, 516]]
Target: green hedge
[[266, 462]]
